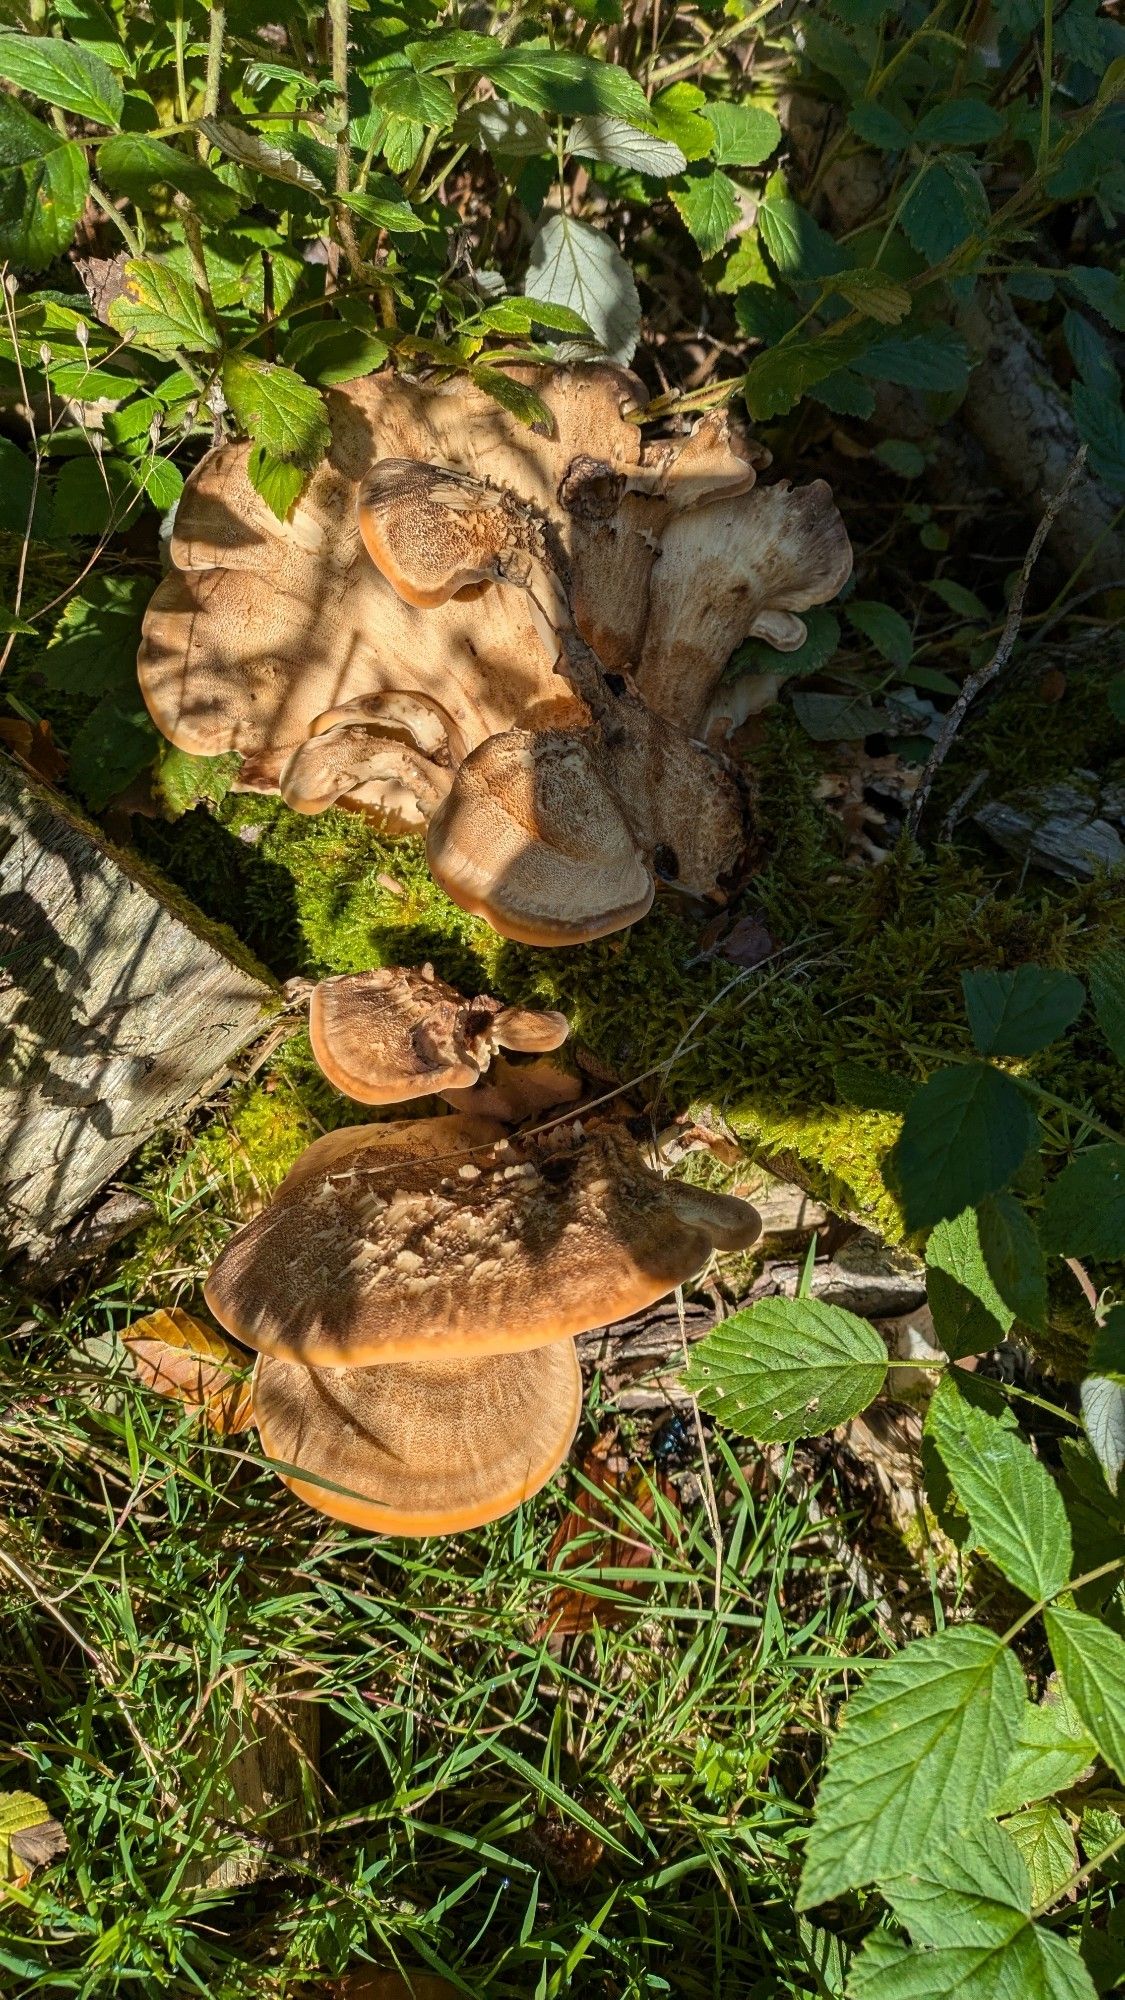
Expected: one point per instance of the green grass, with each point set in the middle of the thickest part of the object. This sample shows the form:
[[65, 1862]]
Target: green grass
[[173, 1583]]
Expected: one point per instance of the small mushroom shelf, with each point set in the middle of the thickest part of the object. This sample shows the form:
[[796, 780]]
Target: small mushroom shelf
[[414, 1289], [514, 642]]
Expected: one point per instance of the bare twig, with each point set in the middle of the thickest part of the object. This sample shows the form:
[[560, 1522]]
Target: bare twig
[[956, 810], [1004, 647]]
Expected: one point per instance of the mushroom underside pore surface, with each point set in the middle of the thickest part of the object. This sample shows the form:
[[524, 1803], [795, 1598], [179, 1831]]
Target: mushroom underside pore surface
[[425, 1447], [415, 608]]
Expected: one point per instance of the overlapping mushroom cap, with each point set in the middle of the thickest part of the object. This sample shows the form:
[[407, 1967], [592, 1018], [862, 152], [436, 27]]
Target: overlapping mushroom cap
[[362, 1260], [416, 610], [422, 1447], [399, 1032]]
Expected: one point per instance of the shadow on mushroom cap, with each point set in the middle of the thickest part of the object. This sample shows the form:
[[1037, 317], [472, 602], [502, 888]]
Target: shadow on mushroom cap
[[358, 1262]]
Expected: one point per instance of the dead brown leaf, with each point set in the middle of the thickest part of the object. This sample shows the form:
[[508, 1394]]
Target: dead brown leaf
[[589, 1538], [33, 745], [29, 1837], [180, 1356]]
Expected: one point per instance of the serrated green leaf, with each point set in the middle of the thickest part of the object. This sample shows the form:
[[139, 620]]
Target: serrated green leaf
[[968, 1907], [44, 181], [788, 1368], [1016, 1513], [969, 1314], [145, 169], [62, 73], [329, 353], [576, 86], [678, 113], [1107, 991], [514, 396], [845, 393], [745, 134], [936, 361], [966, 603], [918, 1757], [708, 202], [385, 212], [1053, 1749], [1016, 1013], [1084, 1210], [958, 121], [115, 744], [1101, 425], [161, 309], [283, 414], [1013, 1256], [877, 126], [873, 293], [575, 265], [837, 718], [278, 480], [966, 1133], [414, 99], [1103, 1413], [887, 630], [799, 247], [507, 131], [619, 144], [1090, 354], [945, 207], [764, 313], [1091, 1659], [776, 380], [1104, 291], [183, 781], [250, 150]]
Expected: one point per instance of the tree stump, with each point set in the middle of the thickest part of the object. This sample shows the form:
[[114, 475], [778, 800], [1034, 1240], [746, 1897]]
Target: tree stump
[[119, 1007]]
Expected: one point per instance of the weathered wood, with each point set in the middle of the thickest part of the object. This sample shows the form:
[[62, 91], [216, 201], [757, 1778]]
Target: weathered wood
[[118, 1009]]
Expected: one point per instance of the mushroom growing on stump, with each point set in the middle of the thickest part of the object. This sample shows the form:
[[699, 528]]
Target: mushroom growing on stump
[[386, 1036], [367, 1260], [450, 582]]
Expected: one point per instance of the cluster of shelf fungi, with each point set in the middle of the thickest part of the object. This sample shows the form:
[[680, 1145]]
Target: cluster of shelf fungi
[[517, 644]]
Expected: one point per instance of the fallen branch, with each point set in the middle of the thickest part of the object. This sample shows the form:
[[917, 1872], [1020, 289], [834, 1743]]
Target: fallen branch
[[978, 681]]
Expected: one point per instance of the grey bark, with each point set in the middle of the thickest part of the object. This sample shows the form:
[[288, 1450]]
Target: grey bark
[[117, 1011]]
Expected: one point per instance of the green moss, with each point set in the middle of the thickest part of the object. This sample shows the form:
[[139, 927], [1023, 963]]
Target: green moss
[[868, 968]]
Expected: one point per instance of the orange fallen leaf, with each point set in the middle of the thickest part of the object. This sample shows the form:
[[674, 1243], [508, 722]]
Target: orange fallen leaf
[[180, 1356], [591, 1537]]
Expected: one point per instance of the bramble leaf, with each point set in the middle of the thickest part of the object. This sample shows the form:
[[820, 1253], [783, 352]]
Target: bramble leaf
[[965, 1134], [1015, 1013], [919, 1755], [1016, 1512], [788, 1368]]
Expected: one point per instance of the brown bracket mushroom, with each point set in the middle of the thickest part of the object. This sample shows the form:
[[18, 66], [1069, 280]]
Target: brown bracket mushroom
[[349, 655], [386, 1036], [423, 1447], [365, 1259]]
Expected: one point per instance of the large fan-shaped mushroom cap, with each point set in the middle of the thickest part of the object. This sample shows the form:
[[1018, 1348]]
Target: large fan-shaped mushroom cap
[[424, 1447], [469, 1253], [386, 1036], [362, 1262], [264, 625]]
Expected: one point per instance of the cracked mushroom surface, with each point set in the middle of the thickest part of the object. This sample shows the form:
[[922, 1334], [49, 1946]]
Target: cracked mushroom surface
[[363, 1259], [399, 1032], [422, 1447], [414, 609]]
